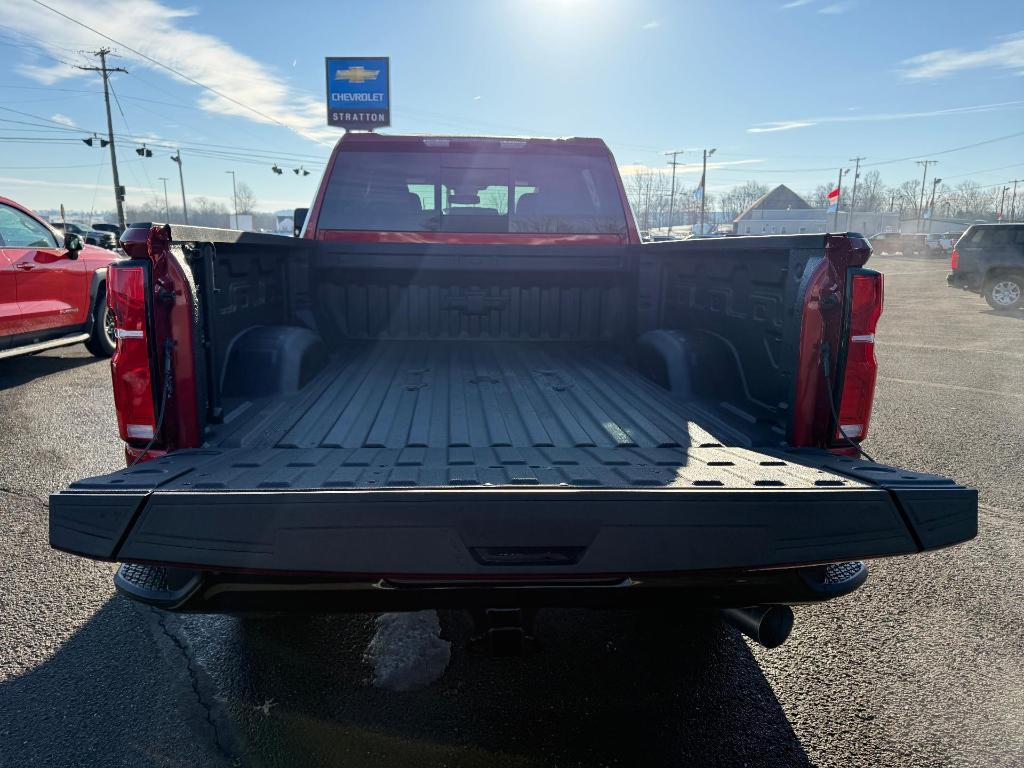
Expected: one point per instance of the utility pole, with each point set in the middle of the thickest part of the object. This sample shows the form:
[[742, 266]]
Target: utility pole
[[176, 157], [931, 204], [920, 205], [234, 194], [672, 194], [167, 205], [704, 187], [1013, 200], [853, 202], [839, 198], [892, 201], [105, 70]]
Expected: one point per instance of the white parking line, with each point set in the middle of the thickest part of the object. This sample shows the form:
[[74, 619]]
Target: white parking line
[[957, 350]]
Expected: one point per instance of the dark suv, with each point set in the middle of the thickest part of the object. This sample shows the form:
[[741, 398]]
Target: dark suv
[[89, 236], [989, 259]]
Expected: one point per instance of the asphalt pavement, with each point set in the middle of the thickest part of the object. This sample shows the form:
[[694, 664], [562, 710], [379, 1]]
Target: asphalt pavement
[[922, 666]]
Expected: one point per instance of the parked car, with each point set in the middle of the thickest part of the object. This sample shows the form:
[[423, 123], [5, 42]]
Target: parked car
[[935, 244], [114, 229], [89, 236], [431, 399], [904, 243], [989, 259], [52, 287]]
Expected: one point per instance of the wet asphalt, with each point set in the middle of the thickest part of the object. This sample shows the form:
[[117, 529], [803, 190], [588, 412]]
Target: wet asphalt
[[922, 666]]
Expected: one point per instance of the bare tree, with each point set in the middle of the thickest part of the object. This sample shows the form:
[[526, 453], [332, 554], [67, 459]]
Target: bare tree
[[737, 199], [872, 194], [907, 198], [246, 198]]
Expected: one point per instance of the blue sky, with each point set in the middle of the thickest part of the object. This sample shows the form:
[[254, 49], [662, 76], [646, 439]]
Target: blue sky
[[786, 91]]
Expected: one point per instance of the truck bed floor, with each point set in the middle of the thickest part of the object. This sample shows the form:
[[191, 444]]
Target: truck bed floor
[[436, 414]]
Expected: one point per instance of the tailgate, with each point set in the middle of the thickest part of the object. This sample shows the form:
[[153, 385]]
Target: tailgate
[[349, 512]]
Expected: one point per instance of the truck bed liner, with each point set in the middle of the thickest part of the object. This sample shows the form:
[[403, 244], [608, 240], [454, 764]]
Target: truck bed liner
[[434, 414]]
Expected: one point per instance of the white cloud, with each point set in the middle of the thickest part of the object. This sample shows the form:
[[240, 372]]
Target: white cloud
[[795, 4], [781, 126], [63, 120], [881, 117], [199, 56], [1007, 54], [18, 182], [651, 25], [834, 9], [682, 169]]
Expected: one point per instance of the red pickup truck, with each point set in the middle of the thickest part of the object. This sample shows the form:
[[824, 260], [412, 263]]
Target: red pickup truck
[[52, 287], [469, 384]]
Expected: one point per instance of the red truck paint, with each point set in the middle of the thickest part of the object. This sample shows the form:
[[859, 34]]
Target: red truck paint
[[41, 289], [171, 319]]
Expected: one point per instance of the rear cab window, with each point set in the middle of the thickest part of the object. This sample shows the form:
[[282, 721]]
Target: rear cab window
[[452, 190]]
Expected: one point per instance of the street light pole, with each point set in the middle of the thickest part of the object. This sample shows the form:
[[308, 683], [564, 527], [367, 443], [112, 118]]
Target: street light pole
[[234, 194], [920, 205], [181, 177], [1002, 205], [672, 195], [167, 205], [704, 188], [931, 203]]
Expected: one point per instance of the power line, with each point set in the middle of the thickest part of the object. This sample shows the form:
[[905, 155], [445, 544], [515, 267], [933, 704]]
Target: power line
[[180, 74]]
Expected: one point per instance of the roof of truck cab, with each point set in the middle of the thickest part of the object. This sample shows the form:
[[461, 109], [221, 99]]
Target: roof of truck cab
[[445, 141]]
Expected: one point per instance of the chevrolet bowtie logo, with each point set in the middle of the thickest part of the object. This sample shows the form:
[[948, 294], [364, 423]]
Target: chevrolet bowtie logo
[[356, 74]]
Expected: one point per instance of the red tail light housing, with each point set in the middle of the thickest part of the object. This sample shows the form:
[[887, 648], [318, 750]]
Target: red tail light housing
[[861, 369], [954, 259], [130, 365]]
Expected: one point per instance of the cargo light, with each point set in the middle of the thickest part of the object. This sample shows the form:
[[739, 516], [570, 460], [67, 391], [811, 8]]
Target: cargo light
[[866, 298], [130, 364]]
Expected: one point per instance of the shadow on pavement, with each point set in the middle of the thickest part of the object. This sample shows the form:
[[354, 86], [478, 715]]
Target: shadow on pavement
[[107, 697], [607, 688], [21, 370], [1018, 315]]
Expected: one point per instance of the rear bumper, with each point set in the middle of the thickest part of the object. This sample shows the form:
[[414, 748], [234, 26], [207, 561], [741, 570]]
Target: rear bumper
[[961, 280], [206, 592]]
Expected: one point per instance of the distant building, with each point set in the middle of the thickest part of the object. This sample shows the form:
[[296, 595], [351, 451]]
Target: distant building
[[936, 226], [783, 212]]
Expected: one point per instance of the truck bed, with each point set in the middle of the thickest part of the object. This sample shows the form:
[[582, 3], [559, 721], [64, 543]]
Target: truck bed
[[437, 414]]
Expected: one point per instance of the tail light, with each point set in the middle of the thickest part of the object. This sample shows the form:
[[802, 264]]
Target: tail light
[[861, 366], [130, 364], [954, 259]]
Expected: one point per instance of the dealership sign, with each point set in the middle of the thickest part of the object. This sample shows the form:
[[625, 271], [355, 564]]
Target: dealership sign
[[358, 92]]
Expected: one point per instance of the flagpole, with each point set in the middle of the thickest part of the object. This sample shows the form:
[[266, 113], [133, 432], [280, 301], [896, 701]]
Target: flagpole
[[835, 214]]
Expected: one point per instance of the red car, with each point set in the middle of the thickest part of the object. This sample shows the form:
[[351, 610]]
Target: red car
[[52, 288]]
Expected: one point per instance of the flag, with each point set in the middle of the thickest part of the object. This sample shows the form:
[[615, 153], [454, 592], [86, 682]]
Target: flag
[[833, 200], [698, 193]]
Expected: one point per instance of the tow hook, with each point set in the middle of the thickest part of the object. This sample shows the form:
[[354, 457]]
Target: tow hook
[[769, 625], [503, 631]]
